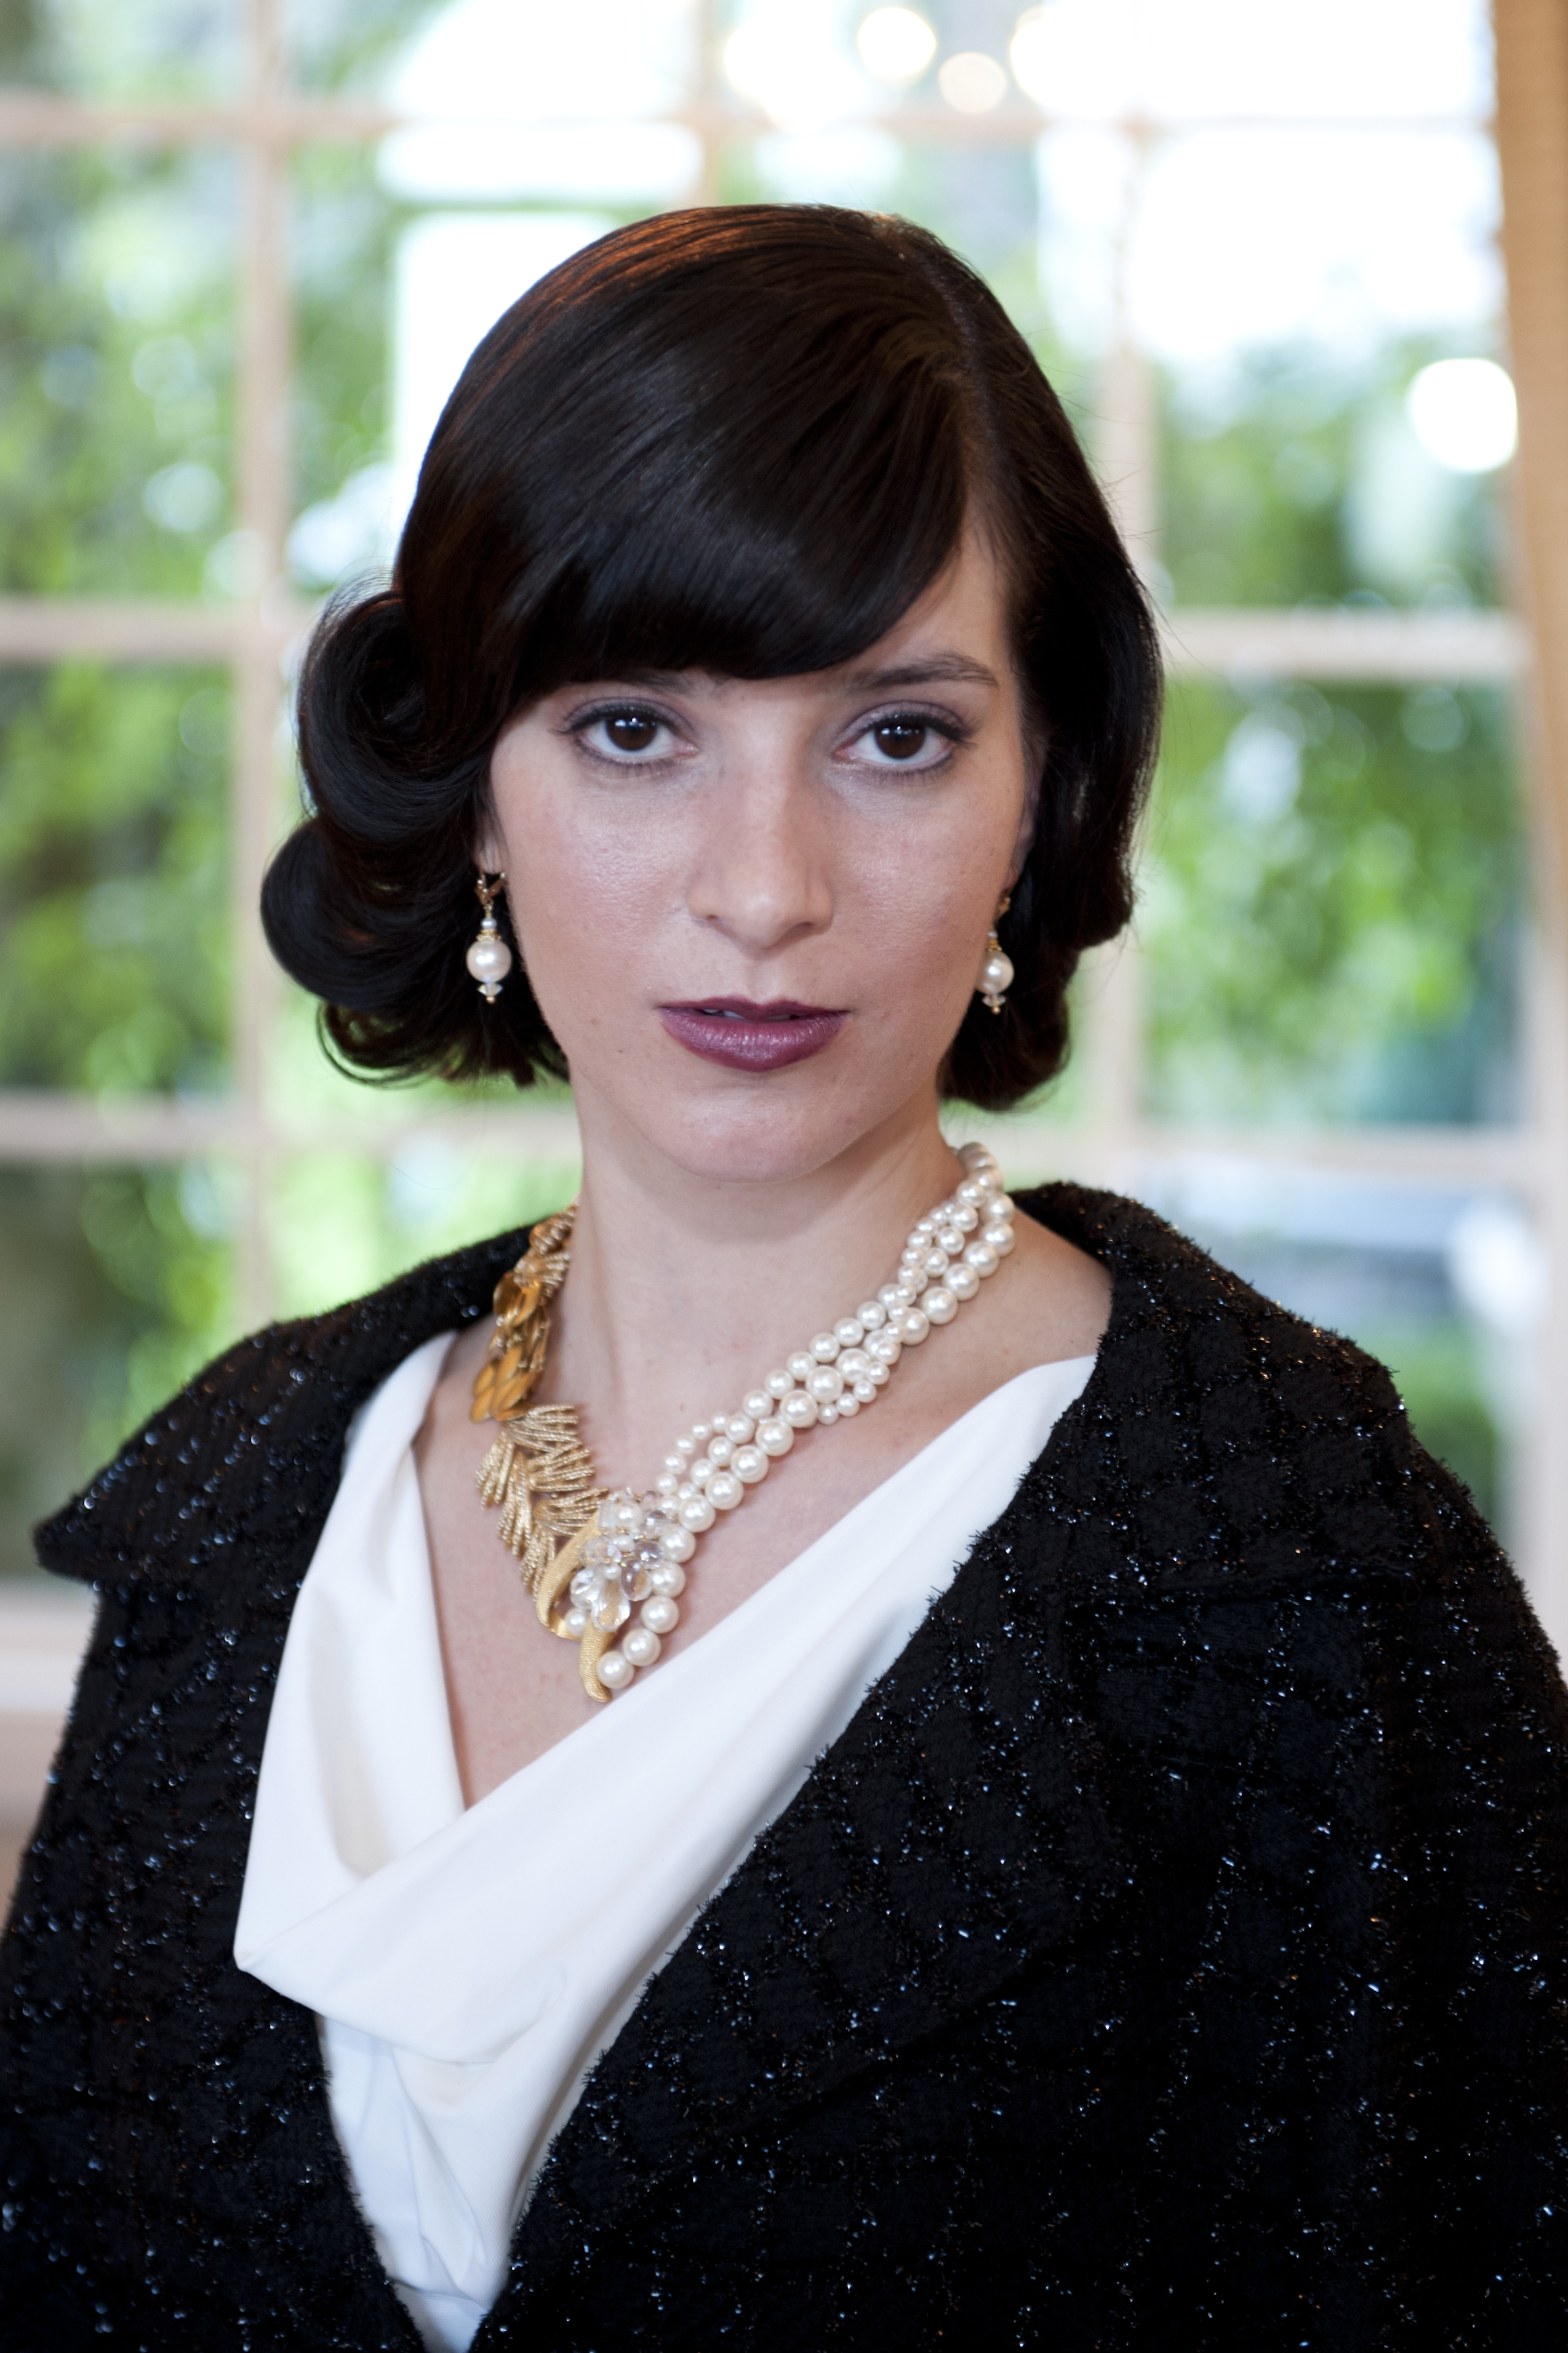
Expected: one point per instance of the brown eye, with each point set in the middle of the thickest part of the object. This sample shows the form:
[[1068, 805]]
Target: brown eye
[[901, 739], [630, 730]]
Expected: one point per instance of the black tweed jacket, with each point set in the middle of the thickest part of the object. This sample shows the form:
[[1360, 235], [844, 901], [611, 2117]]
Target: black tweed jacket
[[1171, 1952]]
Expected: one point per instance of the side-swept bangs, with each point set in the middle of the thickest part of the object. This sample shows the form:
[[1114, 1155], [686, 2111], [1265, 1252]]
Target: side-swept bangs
[[737, 440], [722, 475]]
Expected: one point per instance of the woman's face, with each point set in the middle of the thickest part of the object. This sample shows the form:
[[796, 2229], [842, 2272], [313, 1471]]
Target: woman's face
[[753, 912]]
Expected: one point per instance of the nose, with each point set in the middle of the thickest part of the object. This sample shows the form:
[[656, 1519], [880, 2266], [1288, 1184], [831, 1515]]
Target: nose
[[762, 875]]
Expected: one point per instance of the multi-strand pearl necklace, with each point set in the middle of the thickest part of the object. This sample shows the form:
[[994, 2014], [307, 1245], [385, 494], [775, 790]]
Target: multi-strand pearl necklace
[[631, 1551]]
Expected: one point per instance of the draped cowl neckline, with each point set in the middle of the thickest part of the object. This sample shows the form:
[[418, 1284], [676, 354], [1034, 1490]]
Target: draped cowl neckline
[[468, 1965]]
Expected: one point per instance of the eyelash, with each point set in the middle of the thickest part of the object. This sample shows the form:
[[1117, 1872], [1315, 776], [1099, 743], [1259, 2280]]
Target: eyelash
[[954, 733]]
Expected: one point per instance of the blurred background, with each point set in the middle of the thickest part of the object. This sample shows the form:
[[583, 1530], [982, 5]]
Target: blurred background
[[244, 248]]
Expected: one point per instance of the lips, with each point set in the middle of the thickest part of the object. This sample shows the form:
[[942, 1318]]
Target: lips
[[744, 1036]]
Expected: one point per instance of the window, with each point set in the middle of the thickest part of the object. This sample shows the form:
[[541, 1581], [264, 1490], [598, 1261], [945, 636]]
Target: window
[[244, 251]]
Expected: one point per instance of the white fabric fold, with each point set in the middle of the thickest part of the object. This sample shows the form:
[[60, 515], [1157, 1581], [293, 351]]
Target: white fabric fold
[[468, 1966]]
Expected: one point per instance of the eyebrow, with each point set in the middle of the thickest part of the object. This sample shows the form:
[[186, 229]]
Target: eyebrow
[[937, 670]]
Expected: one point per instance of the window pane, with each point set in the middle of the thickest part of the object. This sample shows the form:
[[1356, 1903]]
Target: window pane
[[1296, 476], [123, 48], [339, 1224], [1294, 288], [1333, 905], [117, 319], [114, 879], [116, 1284]]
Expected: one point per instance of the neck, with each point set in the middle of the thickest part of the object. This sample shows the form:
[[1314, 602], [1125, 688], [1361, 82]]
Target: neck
[[687, 1290]]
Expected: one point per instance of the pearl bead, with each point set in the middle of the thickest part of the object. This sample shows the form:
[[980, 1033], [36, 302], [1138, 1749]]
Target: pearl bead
[[824, 1347], [847, 1407], [576, 1621], [724, 1491], [889, 1297], [661, 1615], [878, 1375], [669, 1576], [964, 1217], [912, 1327], [871, 1314], [886, 1348], [759, 1404], [971, 1194], [489, 958], [1002, 1205], [685, 1447], [702, 1472], [934, 1264], [666, 1485], [854, 1363], [720, 1451], [641, 1646], [677, 1461], [939, 1304], [826, 1384], [982, 1258], [802, 1367], [696, 1514], [849, 1332], [701, 1431], [677, 1544], [999, 1237], [780, 1383], [750, 1464], [798, 1410], [962, 1281], [742, 1426], [924, 1225], [996, 974], [774, 1436], [687, 1489], [828, 1413], [866, 1388], [614, 1671], [951, 1240]]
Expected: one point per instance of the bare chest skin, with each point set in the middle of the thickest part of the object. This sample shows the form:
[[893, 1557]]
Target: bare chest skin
[[514, 1690]]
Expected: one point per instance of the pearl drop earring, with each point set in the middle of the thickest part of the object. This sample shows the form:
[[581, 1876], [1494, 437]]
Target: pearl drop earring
[[996, 977], [489, 957]]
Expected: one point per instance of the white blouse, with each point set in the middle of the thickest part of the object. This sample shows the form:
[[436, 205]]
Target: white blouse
[[468, 1965]]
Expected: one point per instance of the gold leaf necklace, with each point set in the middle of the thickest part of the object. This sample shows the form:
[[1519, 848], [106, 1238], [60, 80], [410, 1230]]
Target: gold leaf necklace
[[588, 1556]]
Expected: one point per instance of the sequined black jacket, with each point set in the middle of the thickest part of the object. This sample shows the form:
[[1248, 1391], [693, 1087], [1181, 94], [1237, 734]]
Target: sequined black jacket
[[1170, 1954]]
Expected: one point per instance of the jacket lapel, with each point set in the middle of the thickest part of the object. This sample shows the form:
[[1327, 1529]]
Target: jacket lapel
[[958, 1831]]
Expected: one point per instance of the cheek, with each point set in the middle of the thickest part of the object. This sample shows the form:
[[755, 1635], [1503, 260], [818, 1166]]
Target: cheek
[[928, 896], [585, 885]]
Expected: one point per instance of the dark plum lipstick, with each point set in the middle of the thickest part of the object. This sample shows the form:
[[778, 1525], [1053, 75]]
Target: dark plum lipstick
[[744, 1036]]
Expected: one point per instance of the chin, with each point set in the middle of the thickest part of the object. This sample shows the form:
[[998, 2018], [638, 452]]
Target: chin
[[762, 1133]]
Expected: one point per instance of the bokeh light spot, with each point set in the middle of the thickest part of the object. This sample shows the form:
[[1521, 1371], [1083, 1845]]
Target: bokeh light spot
[[896, 45], [1465, 414]]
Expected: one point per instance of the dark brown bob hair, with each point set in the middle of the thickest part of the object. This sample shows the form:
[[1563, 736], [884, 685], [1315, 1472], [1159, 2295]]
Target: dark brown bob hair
[[741, 441]]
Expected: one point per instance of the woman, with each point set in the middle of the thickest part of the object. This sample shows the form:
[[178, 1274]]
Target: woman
[[698, 1889]]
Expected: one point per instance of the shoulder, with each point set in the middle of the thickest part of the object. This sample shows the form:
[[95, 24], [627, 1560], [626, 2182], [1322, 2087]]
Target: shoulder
[[250, 1450], [1229, 1435]]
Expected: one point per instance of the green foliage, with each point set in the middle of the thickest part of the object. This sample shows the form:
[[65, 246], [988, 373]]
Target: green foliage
[[1295, 477], [114, 904], [346, 44], [115, 1287], [121, 48], [1332, 905], [116, 365]]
